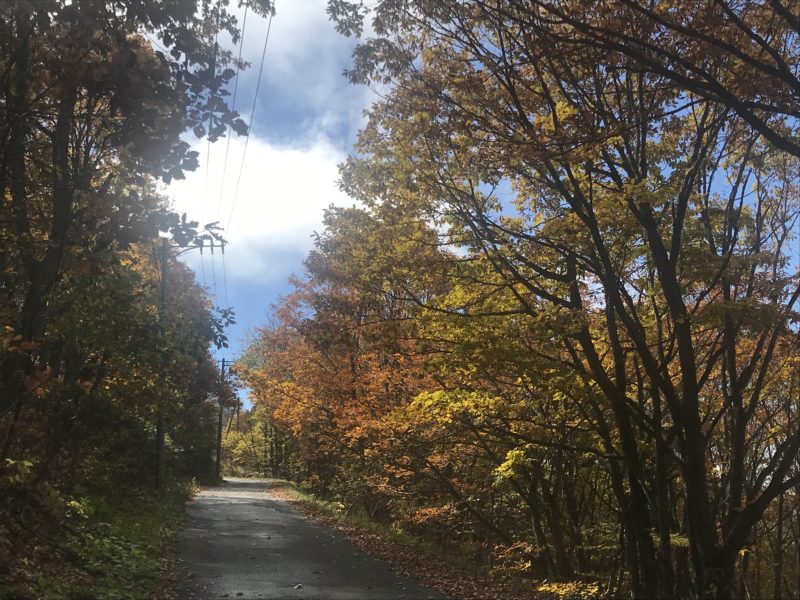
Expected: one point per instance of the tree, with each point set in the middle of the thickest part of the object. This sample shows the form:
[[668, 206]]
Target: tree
[[738, 54], [93, 117], [641, 229], [95, 100]]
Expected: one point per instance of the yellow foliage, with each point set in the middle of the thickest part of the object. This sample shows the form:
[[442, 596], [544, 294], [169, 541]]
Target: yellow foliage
[[570, 589]]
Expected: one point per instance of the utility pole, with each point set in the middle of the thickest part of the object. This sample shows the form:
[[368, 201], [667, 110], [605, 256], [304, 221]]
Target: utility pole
[[219, 420], [166, 242], [159, 411]]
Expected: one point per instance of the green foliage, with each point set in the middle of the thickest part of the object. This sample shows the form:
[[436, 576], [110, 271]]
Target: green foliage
[[105, 547], [561, 326], [106, 377]]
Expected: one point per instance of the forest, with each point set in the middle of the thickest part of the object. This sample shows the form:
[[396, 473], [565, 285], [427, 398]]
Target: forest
[[558, 329], [107, 383], [556, 332]]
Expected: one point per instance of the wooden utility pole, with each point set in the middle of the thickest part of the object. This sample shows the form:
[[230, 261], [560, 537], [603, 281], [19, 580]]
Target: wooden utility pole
[[159, 413], [219, 420], [166, 243]]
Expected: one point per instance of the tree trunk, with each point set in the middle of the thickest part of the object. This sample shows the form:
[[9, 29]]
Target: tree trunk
[[777, 590]]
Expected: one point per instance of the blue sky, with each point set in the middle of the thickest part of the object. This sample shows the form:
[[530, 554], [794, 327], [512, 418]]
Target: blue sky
[[306, 119]]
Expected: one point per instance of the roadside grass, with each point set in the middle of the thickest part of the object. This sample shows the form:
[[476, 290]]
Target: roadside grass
[[111, 548], [452, 554], [451, 569]]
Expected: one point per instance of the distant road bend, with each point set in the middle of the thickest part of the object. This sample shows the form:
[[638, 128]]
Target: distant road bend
[[241, 542]]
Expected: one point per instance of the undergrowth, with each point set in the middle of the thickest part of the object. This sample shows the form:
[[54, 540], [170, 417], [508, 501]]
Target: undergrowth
[[451, 554], [83, 545], [462, 560]]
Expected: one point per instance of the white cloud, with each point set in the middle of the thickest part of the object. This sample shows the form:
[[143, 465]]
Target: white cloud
[[304, 63], [290, 172], [281, 198]]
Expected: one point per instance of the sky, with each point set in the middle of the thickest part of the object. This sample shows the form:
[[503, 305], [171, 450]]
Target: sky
[[306, 118]]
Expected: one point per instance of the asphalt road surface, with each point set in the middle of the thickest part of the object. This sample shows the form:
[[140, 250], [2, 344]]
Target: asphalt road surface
[[241, 542]]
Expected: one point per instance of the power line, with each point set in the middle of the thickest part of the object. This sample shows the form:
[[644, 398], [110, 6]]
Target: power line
[[155, 43], [233, 108], [227, 149], [211, 116], [213, 274], [202, 268], [250, 124], [225, 278], [205, 187]]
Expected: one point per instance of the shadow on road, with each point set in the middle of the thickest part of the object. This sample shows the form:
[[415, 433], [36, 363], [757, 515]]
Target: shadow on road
[[241, 541], [241, 484]]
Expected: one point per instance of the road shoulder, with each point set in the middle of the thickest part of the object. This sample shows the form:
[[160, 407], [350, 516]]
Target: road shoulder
[[431, 571]]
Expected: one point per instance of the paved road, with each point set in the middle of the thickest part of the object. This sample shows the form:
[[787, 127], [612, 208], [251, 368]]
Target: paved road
[[241, 542]]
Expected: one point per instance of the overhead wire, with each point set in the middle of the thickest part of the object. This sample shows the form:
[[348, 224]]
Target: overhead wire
[[210, 117], [225, 278], [202, 268], [155, 43], [250, 123], [205, 187], [233, 108], [213, 276], [227, 149]]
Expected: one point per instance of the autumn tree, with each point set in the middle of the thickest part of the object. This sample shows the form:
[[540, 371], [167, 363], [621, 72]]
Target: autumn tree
[[340, 356], [641, 226], [742, 55], [93, 116], [95, 101]]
